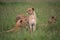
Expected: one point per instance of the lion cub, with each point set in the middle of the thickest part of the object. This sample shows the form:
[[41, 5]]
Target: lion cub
[[32, 19], [52, 19]]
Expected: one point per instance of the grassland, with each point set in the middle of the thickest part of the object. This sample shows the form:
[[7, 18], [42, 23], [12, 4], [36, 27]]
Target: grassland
[[9, 11]]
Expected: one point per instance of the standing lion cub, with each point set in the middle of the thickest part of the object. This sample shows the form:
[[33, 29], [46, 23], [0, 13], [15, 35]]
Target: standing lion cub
[[32, 19]]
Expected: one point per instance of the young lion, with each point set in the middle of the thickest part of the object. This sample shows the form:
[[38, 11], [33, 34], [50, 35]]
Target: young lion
[[52, 19], [32, 19], [25, 20], [21, 20]]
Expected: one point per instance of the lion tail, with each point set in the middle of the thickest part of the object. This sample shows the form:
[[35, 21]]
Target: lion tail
[[13, 29]]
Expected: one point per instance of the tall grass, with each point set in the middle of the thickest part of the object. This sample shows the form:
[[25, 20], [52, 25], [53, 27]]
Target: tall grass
[[45, 31]]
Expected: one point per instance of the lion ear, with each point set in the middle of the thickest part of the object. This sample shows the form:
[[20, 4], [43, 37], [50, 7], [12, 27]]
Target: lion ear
[[33, 9]]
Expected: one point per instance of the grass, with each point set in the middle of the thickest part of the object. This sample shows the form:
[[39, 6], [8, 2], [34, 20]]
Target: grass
[[9, 11]]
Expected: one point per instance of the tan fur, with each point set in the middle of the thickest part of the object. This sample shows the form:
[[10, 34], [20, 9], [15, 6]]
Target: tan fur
[[24, 19], [32, 19], [21, 20], [52, 19], [14, 28]]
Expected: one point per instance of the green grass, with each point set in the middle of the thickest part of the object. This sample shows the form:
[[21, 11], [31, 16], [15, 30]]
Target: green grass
[[9, 11]]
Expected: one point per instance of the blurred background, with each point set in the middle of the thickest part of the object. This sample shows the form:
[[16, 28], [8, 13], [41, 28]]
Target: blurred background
[[9, 9], [29, 0]]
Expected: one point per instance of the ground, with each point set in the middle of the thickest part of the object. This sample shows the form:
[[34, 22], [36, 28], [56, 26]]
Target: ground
[[44, 31]]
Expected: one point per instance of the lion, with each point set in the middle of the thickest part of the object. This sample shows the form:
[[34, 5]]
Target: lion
[[52, 19], [21, 20], [31, 18]]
